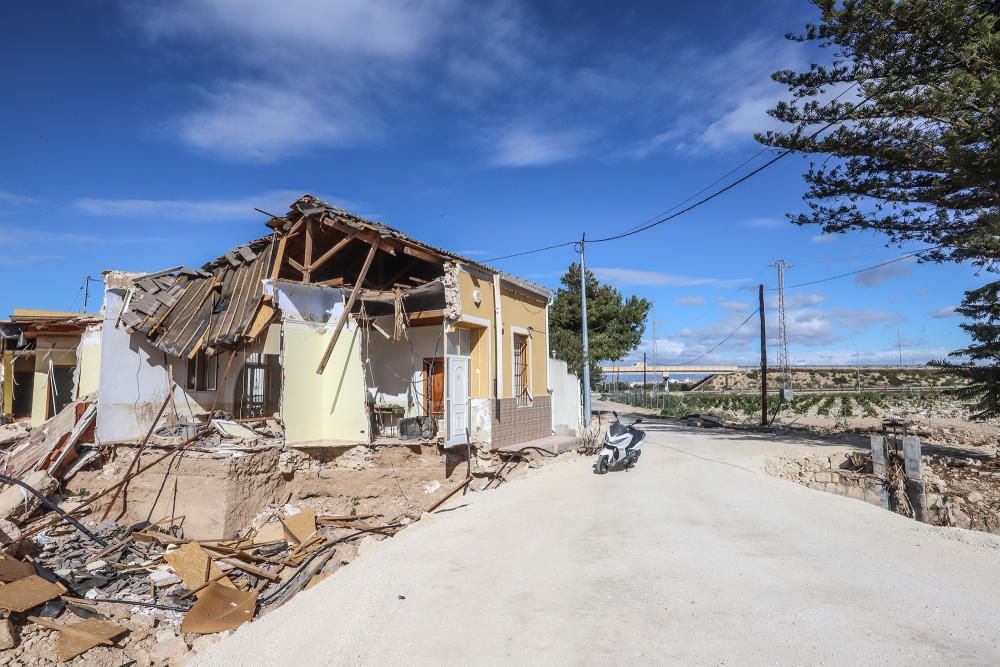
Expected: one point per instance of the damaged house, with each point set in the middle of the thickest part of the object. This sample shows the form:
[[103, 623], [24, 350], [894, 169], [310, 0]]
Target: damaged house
[[348, 331], [49, 359]]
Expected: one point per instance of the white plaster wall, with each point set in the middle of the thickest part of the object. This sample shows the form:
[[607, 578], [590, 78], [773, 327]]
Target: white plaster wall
[[567, 399], [308, 303], [133, 382], [481, 420], [394, 369]]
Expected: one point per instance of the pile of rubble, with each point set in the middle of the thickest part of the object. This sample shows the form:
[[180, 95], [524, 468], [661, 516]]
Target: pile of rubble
[[964, 491]]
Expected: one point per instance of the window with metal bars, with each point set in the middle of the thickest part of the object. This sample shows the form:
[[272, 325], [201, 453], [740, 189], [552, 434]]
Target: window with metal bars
[[522, 377]]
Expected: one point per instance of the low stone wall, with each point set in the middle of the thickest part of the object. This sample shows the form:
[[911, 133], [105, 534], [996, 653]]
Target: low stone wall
[[833, 474], [960, 492]]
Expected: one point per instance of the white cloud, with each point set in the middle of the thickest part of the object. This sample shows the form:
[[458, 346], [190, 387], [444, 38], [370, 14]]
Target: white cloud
[[859, 319], [263, 29], [259, 121], [823, 238], [11, 199], [19, 260], [735, 306], [202, 210], [522, 146], [307, 74], [21, 237], [796, 300], [763, 223], [875, 277], [691, 300], [623, 276], [947, 311]]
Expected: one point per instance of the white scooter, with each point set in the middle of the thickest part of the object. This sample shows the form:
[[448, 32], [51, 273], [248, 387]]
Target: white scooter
[[622, 446]]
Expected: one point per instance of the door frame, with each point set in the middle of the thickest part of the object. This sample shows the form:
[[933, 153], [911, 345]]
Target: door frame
[[458, 438]]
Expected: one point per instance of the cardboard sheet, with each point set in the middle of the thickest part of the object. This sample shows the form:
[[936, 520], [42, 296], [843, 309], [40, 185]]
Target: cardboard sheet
[[301, 525], [13, 570], [220, 609], [189, 562], [76, 638], [29, 592]]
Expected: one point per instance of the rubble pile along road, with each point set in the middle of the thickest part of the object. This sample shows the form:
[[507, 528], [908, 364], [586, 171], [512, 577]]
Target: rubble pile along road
[[697, 556]]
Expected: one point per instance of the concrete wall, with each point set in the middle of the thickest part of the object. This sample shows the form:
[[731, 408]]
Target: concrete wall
[[328, 407], [567, 400], [134, 379], [395, 372], [88, 361], [318, 409]]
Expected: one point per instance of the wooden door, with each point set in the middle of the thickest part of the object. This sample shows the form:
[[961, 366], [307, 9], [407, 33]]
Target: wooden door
[[434, 387]]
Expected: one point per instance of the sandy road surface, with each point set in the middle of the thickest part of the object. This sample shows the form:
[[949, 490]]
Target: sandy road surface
[[694, 557]]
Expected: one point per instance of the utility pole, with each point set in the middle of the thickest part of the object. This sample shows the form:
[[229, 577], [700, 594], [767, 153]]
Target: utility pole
[[644, 377], [86, 290], [763, 360], [586, 343], [899, 346]]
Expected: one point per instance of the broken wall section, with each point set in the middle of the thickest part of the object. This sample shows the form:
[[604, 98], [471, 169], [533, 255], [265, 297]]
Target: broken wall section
[[319, 408]]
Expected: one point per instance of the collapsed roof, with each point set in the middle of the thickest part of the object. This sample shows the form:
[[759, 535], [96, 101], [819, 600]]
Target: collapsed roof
[[222, 305]]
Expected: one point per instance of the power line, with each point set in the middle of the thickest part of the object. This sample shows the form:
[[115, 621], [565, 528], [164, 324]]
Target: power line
[[721, 342], [665, 218], [857, 271]]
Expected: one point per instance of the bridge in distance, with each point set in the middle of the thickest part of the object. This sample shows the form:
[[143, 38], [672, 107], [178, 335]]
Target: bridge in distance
[[721, 369]]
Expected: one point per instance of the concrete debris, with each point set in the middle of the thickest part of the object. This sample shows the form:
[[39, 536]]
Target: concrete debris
[[17, 504]]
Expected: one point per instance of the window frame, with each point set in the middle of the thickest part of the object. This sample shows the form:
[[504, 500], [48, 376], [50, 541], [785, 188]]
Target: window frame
[[523, 398], [198, 377]]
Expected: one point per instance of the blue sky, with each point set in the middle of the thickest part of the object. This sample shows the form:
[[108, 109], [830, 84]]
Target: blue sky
[[141, 135]]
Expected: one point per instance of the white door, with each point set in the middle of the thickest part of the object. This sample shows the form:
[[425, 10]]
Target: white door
[[458, 398]]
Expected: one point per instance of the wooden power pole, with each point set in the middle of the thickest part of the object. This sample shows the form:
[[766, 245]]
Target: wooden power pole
[[763, 361]]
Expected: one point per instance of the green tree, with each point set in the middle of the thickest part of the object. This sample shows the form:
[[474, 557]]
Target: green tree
[[906, 122], [616, 324]]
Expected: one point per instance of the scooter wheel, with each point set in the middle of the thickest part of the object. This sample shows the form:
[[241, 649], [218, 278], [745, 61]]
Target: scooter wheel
[[602, 465]]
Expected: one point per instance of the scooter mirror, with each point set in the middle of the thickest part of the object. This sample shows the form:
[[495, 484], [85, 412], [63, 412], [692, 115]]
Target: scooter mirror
[[639, 420], [615, 414]]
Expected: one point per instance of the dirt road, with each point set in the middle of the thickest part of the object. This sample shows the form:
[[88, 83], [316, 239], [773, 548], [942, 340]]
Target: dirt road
[[694, 557]]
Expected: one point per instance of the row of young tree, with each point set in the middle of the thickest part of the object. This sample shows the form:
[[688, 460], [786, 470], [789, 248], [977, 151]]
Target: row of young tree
[[904, 124]]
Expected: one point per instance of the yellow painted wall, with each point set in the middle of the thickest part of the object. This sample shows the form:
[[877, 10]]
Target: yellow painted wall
[[468, 284], [8, 383], [317, 408], [63, 353], [520, 311], [89, 363]]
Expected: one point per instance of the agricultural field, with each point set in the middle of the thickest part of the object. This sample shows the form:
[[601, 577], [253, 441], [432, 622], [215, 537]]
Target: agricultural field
[[807, 379], [935, 415]]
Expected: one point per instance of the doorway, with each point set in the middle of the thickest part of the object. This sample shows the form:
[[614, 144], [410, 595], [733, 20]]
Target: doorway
[[459, 388], [434, 387], [60, 389]]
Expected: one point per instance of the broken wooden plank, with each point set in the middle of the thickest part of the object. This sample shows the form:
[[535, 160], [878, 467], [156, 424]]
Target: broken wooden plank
[[247, 253], [326, 256], [350, 304]]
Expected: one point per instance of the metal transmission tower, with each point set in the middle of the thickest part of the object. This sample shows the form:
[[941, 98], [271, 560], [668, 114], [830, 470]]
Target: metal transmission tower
[[653, 310], [784, 362]]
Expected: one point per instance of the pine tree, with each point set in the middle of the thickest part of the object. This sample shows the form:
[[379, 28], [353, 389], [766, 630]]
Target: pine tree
[[912, 100], [616, 324]]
